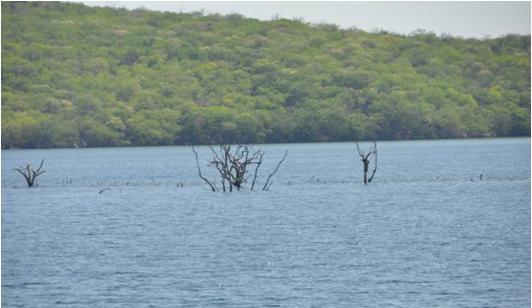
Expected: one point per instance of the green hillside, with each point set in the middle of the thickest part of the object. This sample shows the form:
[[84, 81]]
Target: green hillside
[[79, 76]]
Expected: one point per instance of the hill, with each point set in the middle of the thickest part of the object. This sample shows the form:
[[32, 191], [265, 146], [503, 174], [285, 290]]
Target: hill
[[79, 76]]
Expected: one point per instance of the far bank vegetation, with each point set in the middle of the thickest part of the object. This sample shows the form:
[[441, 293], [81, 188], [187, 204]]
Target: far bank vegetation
[[79, 76]]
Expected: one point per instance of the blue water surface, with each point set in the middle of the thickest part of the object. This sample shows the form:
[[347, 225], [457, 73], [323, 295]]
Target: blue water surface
[[429, 231]]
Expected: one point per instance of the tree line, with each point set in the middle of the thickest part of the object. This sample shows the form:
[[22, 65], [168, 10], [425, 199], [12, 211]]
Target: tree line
[[74, 76]]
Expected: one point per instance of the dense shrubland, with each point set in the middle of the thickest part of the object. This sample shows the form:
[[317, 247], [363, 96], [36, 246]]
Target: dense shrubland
[[79, 76]]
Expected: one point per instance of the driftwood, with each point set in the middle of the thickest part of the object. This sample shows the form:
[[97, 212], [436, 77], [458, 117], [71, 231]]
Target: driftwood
[[30, 174], [233, 164], [366, 159]]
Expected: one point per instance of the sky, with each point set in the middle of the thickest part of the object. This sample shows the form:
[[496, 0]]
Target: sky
[[465, 19]]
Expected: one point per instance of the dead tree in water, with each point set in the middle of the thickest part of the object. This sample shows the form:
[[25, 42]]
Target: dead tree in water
[[30, 174], [233, 166], [366, 159]]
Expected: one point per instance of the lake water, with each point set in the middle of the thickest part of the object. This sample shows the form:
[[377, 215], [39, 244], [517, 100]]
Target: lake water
[[427, 232]]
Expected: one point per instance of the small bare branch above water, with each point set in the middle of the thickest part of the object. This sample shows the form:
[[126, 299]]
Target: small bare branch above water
[[103, 189], [268, 183], [30, 174], [366, 160], [213, 188]]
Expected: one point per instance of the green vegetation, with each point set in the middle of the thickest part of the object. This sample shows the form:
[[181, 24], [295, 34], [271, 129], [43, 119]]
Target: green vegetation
[[79, 76]]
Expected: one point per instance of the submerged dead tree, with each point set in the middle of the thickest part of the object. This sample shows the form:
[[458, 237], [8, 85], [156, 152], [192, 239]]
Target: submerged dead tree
[[30, 174], [366, 159], [233, 164]]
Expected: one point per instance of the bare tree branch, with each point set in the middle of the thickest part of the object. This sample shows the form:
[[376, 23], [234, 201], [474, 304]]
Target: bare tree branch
[[233, 165], [366, 159], [359, 151], [267, 184], [213, 188], [260, 155], [38, 171], [375, 167], [29, 174]]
